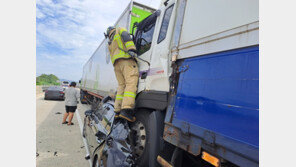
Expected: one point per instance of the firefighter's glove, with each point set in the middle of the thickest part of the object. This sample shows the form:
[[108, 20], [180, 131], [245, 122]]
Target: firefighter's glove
[[132, 54]]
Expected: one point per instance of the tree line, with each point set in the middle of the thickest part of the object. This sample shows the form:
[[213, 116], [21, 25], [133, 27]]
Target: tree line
[[45, 79]]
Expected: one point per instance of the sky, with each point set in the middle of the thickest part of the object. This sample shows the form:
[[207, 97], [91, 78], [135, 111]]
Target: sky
[[69, 31]]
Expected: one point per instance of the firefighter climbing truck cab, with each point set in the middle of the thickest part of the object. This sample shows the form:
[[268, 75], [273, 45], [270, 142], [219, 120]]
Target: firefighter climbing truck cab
[[198, 95]]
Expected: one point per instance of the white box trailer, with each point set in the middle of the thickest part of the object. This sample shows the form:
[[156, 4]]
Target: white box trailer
[[99, 67], [213, 26]]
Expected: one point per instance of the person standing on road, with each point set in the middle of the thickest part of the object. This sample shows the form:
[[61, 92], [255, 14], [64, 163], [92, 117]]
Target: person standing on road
[[123, 52], [72, 96]]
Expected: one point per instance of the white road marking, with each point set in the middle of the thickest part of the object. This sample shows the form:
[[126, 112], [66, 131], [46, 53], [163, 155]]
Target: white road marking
[[81, 130]]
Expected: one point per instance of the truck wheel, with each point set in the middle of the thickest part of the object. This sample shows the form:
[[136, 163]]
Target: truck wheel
[[148, 130]]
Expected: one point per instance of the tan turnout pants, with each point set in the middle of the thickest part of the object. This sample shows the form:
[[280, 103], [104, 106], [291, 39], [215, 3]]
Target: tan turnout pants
[[127, 75]]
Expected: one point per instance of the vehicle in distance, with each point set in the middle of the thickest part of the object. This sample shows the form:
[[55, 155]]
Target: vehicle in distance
[[65, 84], [55, 93]]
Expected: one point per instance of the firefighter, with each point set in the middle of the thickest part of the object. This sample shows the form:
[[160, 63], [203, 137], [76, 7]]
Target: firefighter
[[123, 52]]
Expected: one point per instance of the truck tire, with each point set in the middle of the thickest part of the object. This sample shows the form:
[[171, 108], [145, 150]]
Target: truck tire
[[153, 122]]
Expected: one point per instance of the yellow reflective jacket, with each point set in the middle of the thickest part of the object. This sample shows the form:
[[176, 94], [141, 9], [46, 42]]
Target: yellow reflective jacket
[[120, 44]]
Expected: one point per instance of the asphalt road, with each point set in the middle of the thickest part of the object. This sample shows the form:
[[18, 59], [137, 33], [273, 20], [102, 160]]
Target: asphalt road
[[58, 145]]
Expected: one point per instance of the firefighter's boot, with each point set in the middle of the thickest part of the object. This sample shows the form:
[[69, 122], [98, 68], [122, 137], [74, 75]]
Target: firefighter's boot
[[127, 114]]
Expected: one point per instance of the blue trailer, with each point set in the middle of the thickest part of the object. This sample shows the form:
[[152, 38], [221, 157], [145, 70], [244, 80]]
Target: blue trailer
[[216, 106]]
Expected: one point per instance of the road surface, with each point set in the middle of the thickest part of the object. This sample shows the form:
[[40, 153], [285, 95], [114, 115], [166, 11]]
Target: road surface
[[58, 145]]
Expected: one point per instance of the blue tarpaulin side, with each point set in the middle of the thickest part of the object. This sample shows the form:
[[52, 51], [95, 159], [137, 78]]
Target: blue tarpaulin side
[[220, 92]]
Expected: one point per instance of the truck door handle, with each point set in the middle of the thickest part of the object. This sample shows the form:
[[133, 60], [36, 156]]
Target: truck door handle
[[144, 75]]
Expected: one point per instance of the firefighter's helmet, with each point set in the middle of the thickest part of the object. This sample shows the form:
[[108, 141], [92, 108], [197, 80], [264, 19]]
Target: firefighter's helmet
[[109, 29]]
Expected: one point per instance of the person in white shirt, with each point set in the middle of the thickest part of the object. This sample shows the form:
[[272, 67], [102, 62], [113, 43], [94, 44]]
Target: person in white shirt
[[72, 96]]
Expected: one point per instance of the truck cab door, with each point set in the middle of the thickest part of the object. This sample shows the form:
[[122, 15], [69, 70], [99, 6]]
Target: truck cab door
[[159, 68], [144, 42]]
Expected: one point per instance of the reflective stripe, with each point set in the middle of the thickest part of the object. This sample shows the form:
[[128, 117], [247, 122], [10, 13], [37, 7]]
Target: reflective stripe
[[119, 41], [129, 94], [121, 54], [119, 97], [129, 43], [116, 36]]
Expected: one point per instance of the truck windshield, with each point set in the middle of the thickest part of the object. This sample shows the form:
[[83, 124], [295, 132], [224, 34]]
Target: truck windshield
[[146, 40], [144, 34]]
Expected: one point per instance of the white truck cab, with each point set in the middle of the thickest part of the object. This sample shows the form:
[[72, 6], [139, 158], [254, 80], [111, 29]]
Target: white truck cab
[[153, 43]]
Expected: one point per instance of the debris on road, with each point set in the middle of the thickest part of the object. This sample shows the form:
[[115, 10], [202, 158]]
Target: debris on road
[[55, 153], [58, 113]]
